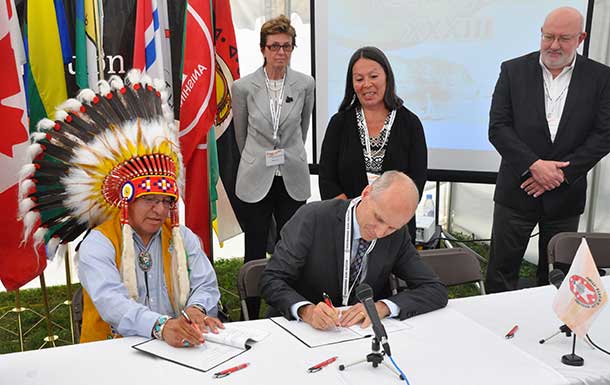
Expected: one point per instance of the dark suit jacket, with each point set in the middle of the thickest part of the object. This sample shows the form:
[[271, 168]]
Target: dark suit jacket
[[308, 260], [342, 168], [518, 129]]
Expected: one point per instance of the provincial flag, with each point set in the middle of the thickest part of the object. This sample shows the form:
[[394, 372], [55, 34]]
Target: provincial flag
[[581, 295], [225, 160], [147, 46], [88, 35], [197, 114]]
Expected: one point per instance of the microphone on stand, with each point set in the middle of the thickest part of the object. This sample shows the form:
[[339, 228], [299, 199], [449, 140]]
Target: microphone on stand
[[364, 293], [556, 277]]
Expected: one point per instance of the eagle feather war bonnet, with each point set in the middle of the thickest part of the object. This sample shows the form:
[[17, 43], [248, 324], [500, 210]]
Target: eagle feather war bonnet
[[102, 152]]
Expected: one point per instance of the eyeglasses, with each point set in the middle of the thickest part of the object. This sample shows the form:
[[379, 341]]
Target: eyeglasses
[[276, 47], [563, 39], [151, 201]]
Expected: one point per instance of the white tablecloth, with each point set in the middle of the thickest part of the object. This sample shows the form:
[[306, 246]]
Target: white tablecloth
[[443, 347], [531, 310]]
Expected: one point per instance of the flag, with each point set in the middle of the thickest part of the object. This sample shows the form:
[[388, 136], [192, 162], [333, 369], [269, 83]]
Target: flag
[[225, 159], [147, 52], [88, 22], [197, 113], [582, 294], [46, 82], [18, 265]]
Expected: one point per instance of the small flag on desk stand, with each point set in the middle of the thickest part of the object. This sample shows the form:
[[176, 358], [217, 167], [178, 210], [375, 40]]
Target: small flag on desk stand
[[581, 295]]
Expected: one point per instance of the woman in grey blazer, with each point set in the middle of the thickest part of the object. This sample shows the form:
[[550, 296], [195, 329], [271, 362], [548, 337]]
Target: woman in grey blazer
[[271, 113]]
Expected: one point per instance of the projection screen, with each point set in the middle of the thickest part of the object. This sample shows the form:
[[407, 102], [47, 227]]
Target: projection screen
[[446, 57]]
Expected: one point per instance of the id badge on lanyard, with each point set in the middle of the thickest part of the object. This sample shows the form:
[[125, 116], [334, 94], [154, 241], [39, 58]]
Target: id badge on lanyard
[[347, 252]]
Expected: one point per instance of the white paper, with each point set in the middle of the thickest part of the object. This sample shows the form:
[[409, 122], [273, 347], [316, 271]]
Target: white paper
[[314, 337], [217, 348]]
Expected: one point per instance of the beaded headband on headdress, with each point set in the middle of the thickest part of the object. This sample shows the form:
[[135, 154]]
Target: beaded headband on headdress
[[103, 151]]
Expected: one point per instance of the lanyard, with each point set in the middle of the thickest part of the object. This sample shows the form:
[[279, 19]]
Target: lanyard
[[347, 252], [367, 140], [275, 106]]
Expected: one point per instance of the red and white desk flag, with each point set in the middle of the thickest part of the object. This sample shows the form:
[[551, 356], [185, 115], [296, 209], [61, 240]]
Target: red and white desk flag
[[581, 295]]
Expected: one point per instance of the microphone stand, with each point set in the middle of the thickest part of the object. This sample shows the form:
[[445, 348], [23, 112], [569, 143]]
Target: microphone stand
[[375, 358], [568, 359], [568, 332]]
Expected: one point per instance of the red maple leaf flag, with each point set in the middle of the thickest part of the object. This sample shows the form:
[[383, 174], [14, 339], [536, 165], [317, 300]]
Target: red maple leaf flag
[[197, 114], [18, 264]]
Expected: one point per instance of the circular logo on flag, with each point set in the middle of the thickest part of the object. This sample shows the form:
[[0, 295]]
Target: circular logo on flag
[[585, 291]]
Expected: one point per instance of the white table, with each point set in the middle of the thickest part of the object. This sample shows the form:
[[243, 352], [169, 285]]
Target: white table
[[532, 310], [443, 347]]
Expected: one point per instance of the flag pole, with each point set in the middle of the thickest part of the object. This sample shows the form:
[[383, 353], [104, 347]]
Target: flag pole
[[100, 40], [68, 302], [50, 338], [572, 359], [16, 310]]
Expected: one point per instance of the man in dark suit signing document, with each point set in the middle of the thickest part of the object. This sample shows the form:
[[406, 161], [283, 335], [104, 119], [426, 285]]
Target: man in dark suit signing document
[[550, 122], [334, 245]]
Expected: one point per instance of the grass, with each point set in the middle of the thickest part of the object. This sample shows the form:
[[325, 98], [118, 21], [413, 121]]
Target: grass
[[226, 271]]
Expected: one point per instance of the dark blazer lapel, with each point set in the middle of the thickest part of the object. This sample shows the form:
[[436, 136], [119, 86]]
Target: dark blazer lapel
[[288, 93], [261, 98], [575, 90], [537, 83]]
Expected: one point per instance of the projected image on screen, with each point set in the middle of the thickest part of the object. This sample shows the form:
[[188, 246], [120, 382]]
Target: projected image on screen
[[446, 57]]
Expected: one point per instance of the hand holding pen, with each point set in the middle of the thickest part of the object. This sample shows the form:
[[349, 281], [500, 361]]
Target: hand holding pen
[[329, 303], [193, 326]]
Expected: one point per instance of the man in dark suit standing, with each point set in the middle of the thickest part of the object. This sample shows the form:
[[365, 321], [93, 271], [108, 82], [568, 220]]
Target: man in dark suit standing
[[334, 245], [550, 122]]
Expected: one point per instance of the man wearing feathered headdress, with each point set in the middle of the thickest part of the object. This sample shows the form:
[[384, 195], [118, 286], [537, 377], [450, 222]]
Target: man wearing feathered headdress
[[111, 163]]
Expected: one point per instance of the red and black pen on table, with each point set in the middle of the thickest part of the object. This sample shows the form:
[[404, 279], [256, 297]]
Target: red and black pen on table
[[321, 365], [226, 372], [511, 332]]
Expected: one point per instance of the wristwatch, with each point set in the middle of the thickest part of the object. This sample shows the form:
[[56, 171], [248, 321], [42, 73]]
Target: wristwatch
[[157, 330], [200, 308]]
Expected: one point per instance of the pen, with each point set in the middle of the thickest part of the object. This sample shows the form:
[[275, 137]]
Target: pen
[[327, 300], [511, 332], [318, 367], [329, 303], [226, 372], [188, 319]]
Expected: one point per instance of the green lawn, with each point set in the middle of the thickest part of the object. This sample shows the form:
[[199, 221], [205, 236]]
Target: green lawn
[[226, 271]]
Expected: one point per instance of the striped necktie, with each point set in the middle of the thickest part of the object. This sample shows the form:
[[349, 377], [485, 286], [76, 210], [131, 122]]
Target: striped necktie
[[356, 263]]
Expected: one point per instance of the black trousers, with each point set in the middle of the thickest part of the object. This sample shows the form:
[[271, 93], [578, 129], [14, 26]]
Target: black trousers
[[257, 219], [509, 238]]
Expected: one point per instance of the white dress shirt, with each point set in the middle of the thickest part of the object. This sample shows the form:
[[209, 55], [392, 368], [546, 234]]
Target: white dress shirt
[[555, 93]]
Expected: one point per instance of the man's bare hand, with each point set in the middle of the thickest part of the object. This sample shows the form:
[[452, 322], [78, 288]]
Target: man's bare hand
[[531, 187], [357, 315], [320, 316], [548, 173]]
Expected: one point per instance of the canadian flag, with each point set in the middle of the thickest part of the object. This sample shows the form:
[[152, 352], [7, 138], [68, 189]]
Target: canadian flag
[[18, 264], [581, 295]]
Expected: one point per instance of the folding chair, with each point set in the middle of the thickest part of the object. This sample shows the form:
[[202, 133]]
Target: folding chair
[[247, 282], [455, 266], [562, 248]]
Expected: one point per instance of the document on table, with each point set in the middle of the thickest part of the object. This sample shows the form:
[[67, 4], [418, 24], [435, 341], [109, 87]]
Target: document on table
[[217, 348], [314, 337]]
